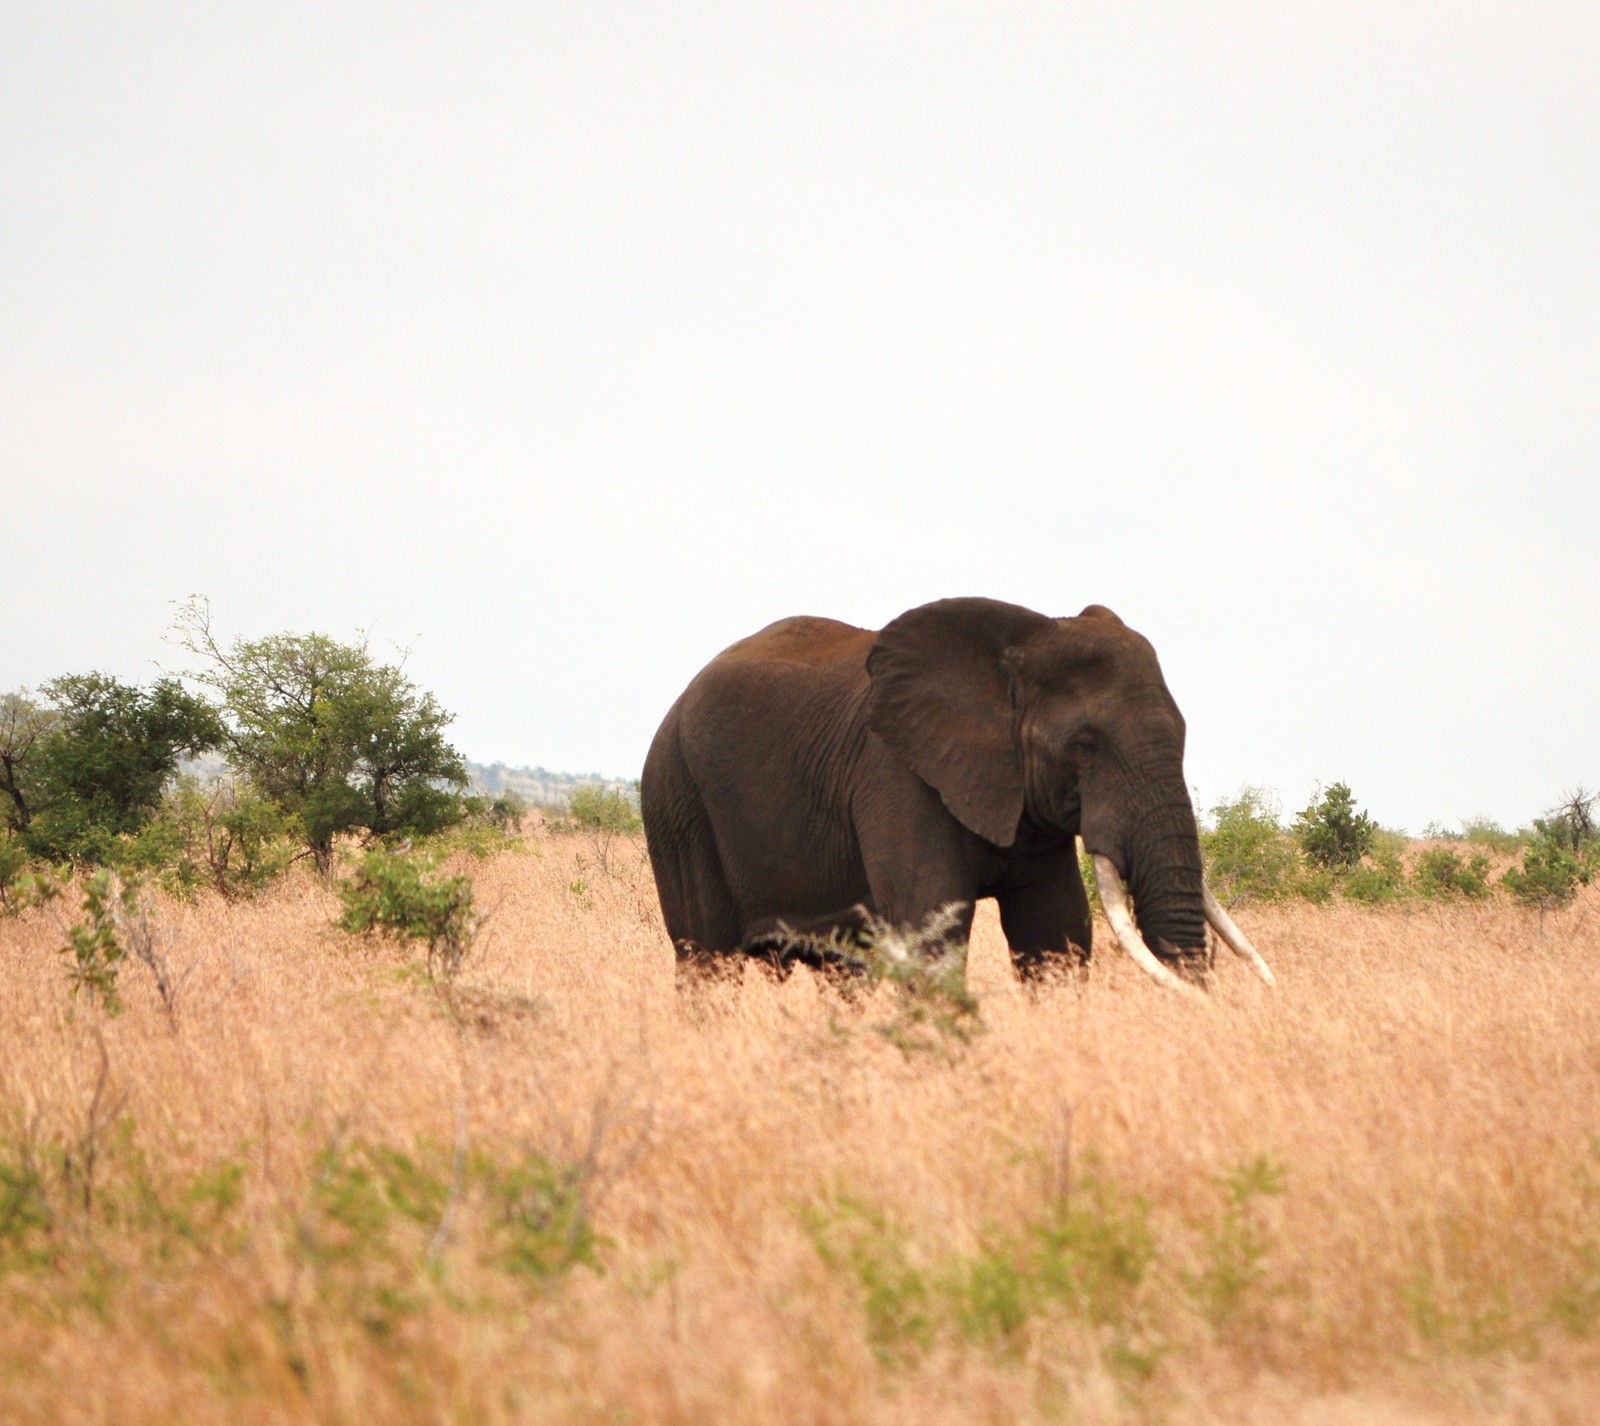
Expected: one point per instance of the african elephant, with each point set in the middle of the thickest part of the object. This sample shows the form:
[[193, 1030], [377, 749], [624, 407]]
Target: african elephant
[[816, 774]]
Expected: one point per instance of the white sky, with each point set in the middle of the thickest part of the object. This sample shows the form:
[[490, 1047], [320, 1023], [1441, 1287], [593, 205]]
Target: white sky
[[570, 342]]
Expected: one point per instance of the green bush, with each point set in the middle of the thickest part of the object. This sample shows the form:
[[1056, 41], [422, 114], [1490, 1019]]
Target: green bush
[[24, 882], [1237, 1246], [1246, 853], [1563, 855], [95, 943], [1315, 884], [540, 1212], [1549, 875], [1485, 832], [402, 896], [596, 808], [897, 1297], [1331, 832], [1375, 880], [934, 1006], [223, 836], [380, 1233], [1571, 823], [1088, 1256], [1441, 874], [13, 868], [491, 824]]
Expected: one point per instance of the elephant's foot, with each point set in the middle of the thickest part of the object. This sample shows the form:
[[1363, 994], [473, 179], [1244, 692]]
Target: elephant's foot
[[1047, 970], [700, 970]]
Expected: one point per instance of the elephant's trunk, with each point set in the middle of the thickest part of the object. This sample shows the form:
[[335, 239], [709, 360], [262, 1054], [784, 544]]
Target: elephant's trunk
[[1167, 878], [1172, 900], [1115, 900], [1174, 904]]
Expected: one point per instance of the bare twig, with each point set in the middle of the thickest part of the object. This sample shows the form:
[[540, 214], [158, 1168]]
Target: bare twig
[[83, 1158]]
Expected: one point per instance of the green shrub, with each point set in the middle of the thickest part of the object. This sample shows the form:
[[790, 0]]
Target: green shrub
[[935, 1009], [504, 812], [1376, 880], [1549, 875], [609, 818], [897, 1297], [596, 808], [1316, 884], [935, 1005], [1247, 855], [400, 895], [95, 943], [13, 868], [222, 835], [1331, 832], [1092, 1252], [1571, 823], [1086, 1257], [539, 1209], [1237, 1245], [1563, 854], [1485, 832], [25, 883], [1441, 873], [26, 1218], [491, 825], [1380, 876]]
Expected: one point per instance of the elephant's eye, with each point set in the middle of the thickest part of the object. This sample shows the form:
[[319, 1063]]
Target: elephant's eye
[[1085, 748]]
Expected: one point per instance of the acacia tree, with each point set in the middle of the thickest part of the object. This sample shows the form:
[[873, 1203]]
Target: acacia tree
[[23, 723], [341, 742], [92, 763]]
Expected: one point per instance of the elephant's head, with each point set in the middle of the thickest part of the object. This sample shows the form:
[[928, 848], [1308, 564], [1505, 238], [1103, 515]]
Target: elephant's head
[[1068, 724]]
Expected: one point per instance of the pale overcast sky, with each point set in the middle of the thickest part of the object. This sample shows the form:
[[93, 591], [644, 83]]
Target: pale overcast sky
[[567, 343]]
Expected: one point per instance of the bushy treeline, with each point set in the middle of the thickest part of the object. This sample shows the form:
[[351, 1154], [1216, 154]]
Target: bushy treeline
[[1333, 848], [313, 741]]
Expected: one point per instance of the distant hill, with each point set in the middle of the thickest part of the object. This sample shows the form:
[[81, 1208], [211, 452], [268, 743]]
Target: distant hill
[[537, 785], [544, 788]]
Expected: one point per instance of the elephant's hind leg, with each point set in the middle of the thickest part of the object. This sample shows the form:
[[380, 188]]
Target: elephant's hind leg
[[695, 901], [700, 912], [701, 915], [699, 969]]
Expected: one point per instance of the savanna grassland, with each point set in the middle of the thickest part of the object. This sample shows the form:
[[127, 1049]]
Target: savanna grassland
[[322, 1188]]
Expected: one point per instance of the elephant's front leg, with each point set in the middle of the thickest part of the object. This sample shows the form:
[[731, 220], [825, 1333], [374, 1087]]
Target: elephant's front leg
[[919, 870], [1045, 915]]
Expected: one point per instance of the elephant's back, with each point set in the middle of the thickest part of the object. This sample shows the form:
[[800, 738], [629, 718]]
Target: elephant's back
[[797, 680], [801, 639]]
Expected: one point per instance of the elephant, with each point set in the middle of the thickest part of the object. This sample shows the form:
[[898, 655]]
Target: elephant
[[816, 779]]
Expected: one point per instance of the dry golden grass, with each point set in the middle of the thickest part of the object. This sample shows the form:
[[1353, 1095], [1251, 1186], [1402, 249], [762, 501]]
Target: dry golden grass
[[301, 1203]]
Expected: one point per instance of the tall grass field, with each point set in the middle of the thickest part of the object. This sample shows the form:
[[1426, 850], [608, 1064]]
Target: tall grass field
[[311, 1183]]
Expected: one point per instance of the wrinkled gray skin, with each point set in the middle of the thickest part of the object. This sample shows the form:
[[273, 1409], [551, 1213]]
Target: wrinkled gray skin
[[815, 770]]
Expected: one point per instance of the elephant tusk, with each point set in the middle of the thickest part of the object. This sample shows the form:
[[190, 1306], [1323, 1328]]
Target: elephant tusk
[[1236, 940], [1115, 901]]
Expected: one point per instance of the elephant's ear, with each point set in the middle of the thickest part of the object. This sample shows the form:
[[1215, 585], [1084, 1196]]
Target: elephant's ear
[[941, 698]]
